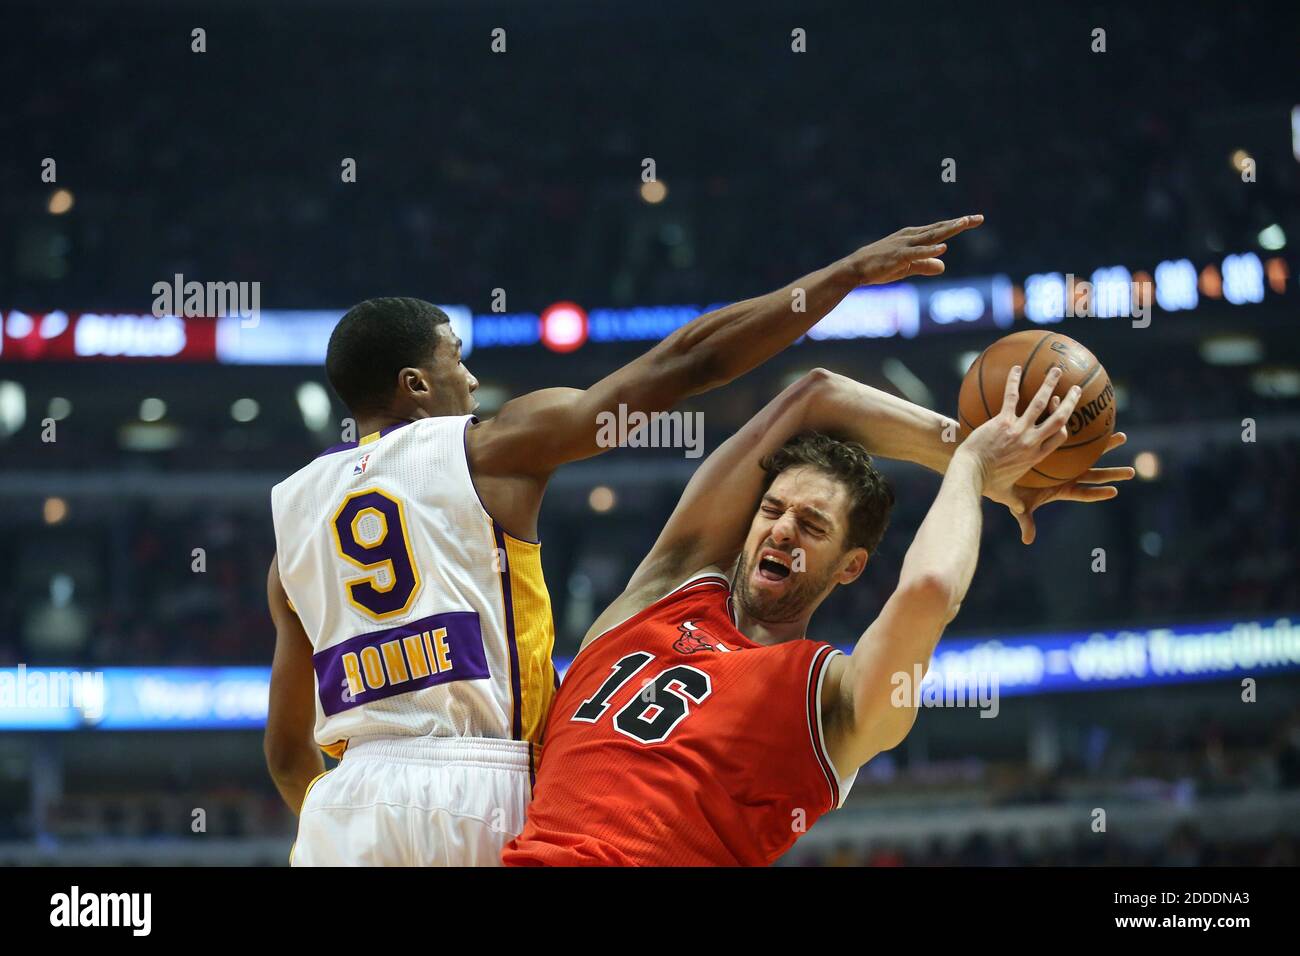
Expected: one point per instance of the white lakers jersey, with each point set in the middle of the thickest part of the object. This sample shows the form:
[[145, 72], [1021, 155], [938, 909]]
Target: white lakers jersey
[[425, 617]]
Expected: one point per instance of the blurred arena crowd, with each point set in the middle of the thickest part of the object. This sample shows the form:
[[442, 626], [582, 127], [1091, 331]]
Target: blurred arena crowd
[[469, 180]]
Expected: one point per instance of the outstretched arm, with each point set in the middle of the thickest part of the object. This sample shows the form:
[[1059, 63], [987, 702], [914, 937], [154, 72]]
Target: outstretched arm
[[713, 516], [858, 701], [890, 427], [538, 432]]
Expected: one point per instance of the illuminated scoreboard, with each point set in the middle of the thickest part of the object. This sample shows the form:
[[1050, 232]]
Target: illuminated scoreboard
[[902, 309], [1177, 285]]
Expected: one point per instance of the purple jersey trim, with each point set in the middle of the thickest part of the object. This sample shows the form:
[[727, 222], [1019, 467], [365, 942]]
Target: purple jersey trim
[[464, 640], [357, 444]]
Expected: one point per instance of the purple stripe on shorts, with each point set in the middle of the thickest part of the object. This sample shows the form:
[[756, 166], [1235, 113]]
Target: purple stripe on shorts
[[463, 638]]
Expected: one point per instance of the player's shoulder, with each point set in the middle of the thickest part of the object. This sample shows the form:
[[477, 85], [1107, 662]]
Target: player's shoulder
[[309, 470], [356, 454], [421, 431], [651, 599], [711, 578], [709, 588]]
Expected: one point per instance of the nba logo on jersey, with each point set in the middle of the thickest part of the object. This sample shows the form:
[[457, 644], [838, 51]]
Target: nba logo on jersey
[[362, 464]]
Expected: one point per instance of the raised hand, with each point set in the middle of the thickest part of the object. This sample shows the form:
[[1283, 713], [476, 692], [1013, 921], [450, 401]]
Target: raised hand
[[912, 251], [1092, 485], [1009, 444]]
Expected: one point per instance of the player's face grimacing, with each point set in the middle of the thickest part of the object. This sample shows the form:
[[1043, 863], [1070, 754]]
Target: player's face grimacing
[[794, 554]]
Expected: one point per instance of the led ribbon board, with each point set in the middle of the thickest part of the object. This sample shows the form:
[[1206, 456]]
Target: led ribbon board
[[235, 698]]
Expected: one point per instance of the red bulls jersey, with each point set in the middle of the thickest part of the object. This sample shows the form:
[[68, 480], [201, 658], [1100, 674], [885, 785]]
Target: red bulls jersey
[[676, 741]]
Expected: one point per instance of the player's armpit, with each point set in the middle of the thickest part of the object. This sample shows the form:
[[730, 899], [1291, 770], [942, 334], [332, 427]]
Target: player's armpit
[[289, 745], [511, 456], [530, 435]]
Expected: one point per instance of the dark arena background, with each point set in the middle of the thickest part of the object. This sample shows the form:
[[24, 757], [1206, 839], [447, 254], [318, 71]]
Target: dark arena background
[[571, 199]]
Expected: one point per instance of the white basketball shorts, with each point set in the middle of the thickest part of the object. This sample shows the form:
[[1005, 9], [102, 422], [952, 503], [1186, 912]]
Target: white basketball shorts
[[416, 801]]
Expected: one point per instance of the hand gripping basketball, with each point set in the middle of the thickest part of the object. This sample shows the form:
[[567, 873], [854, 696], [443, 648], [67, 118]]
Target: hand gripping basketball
[[1009, 444]]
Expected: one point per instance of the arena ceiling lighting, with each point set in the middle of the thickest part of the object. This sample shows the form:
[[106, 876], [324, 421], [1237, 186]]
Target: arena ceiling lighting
[[1276, 382], [61, 201], [1272, 238], [59, 408], [13, 407], [564, 327], [244, 409], [654, 192], [54, 510], [314, 404], [1232, 350], [148, 436], [1147, 465]]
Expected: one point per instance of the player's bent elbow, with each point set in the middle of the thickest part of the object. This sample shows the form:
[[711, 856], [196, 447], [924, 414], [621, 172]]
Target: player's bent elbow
[[819, 378], [930, 596], [818, 385], [814, 384], [813, 388]]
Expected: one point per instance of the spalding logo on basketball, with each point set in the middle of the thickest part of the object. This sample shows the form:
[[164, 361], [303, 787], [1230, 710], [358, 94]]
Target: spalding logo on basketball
[[1037, 352]]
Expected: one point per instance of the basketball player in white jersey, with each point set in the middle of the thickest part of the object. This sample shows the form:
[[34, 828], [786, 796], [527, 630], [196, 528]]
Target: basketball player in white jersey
[[413, 625]]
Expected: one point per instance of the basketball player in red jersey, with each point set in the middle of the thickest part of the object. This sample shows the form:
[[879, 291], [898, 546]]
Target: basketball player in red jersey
[[698, 725]]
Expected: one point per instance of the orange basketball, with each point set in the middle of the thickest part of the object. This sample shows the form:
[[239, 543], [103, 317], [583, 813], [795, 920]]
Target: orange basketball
[[1036, 352]]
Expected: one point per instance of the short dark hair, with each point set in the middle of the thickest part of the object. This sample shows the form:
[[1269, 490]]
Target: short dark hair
[[374, 341], [871, 497]]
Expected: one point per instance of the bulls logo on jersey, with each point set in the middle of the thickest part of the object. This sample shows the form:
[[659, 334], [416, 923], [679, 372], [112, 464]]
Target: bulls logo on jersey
[[692, 639]]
